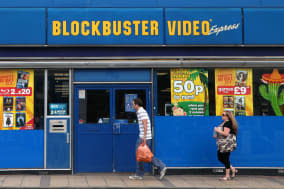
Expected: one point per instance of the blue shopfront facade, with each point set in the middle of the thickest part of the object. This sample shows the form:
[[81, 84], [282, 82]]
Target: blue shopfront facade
[[112, 50]]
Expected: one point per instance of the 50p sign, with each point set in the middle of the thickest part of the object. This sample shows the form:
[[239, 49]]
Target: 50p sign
[[188, 87], [189, 91]]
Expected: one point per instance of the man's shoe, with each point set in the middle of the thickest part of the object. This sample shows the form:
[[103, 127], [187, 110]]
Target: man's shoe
[[162, 173], [135, 177]]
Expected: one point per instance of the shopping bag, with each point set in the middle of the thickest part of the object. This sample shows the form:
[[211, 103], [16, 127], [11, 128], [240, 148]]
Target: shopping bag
[[144, 153]]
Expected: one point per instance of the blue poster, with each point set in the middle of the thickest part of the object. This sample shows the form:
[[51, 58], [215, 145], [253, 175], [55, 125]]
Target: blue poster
[[128, 102], [58, 109]]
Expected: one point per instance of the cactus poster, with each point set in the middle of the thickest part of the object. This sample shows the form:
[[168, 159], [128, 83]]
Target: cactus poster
[[189, 92], [270, 90], [16, 99], [233, 91]]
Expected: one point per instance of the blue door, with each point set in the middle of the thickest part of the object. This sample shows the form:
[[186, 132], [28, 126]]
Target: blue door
[[106, 127]]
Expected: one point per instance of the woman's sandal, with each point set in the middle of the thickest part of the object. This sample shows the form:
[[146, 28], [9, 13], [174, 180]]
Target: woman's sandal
[[234, 173], [224, 178]]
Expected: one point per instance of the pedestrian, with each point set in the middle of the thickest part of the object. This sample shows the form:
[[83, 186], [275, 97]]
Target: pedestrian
[[145, 136], [226, 142]]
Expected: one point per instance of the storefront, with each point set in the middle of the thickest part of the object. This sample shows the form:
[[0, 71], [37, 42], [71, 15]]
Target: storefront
[[68, 76]]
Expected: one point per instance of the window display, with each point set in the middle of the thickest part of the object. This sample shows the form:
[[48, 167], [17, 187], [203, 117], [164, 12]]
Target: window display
[[17, 99], [233, 89], [58, 92], [185, 91], [189, 91], [269, 91], [244, 91]]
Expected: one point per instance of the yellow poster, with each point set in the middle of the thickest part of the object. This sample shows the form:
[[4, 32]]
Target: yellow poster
[[16, 99], [189, 92], [233, 91]]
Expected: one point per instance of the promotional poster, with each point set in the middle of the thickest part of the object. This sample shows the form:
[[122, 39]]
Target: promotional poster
[[189, 92], [271, 92], [233, 89], [17, 99], [128, 102], [58, 108]]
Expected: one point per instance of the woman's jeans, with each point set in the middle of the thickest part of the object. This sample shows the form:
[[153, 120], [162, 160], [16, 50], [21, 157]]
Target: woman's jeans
[[140, 165]]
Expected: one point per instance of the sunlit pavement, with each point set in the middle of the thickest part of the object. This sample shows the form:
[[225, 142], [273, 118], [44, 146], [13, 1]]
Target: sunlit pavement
[[120, 180]]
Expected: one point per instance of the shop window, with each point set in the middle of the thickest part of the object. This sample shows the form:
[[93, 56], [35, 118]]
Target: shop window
[[244, 91], [268, 91], [58, 92], [22, 99], [39, 99], [193, 94], [164, 92], [124, 111], [94, 106]]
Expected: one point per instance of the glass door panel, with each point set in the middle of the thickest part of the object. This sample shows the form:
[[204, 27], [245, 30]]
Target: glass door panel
[[123, 104], [95, 107]]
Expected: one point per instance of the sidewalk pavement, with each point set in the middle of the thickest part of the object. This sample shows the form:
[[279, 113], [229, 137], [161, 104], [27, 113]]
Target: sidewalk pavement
[[120, 180]]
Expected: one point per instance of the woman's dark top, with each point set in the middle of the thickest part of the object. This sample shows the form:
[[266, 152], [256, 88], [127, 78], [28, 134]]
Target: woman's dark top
[[229, 125]]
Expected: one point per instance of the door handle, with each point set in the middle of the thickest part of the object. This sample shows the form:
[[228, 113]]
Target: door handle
[[68, 138], [116, 128]]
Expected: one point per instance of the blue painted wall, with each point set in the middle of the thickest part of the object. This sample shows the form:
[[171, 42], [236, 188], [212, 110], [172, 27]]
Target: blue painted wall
[[22, 149], [188, 141], [263, 26], [145, 3], [272, 3], [116, 75], [22, 26]]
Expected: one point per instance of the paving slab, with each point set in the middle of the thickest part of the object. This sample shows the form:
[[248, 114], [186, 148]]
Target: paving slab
[[31, 181], [150, 181], [177, 181], [76, 181], [2, 178], [44, 181], [96, 181], [114, 181], [13, 181], [59, 181]]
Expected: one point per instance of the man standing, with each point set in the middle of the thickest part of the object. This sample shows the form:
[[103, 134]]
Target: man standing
[[145, 136]]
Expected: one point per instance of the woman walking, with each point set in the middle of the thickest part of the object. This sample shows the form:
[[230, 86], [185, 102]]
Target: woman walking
[[226, 141]]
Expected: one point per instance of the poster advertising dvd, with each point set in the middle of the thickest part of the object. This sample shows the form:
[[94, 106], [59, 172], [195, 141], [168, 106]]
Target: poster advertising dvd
[[17, 99], [20, 103], [22, 79], [240, 105], [128, 102], [241, 78], [228, 102], [8, 120], [20, 119], [233, 91], [7, 104]]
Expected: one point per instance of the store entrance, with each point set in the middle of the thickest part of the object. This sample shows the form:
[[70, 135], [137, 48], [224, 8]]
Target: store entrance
[[106, 127]]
